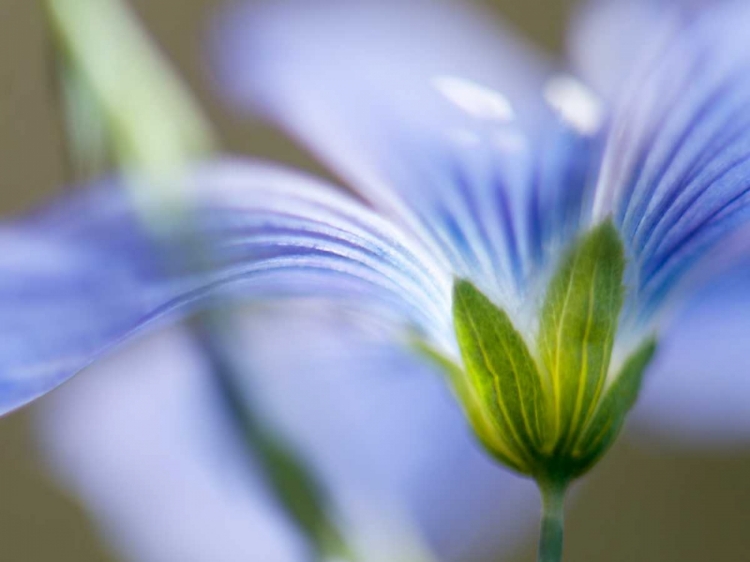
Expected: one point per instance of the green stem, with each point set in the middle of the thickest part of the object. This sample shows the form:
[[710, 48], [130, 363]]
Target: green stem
[[551, 535], [296, 487]]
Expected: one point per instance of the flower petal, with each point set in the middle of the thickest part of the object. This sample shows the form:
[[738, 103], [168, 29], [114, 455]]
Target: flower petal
[[377, 424], [675, 170], [80, 277], [607, 38], [288, 56], [428, 113], [699, 390], [140, 439]]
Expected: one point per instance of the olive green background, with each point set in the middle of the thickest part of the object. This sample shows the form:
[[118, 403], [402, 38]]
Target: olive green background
[[646, 503]]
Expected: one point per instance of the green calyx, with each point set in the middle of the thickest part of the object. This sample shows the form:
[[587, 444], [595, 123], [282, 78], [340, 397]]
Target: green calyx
[[550, 411]]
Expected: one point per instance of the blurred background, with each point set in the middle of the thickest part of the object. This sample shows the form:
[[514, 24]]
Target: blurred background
[[646, 502]]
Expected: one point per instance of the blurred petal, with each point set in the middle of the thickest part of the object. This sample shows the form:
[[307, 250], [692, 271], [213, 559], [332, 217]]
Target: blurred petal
[[80, 277], [699, 388], [140, 439], [677, 163], [288, 56], [429, 112], [381, 429], [608, 38]]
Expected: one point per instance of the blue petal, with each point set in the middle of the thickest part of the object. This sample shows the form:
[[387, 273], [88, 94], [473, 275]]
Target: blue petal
[[428, 113], [80, 277], [140, 440], [607, 38], [676, 171], [699, 391], [379, 426]]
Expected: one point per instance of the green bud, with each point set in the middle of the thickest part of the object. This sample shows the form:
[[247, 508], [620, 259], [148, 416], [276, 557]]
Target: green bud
[[549, 408]]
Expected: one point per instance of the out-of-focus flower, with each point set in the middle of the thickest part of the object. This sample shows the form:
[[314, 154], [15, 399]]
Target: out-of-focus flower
[[459, 181]]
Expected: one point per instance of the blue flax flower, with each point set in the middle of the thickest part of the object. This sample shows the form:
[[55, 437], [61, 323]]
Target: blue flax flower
[[470, 158]]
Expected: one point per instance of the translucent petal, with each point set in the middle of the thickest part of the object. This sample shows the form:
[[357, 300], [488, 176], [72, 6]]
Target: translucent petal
[[675, 169], [606, 39], [429, 113], [139, 438], [698, 390], [80, 277]]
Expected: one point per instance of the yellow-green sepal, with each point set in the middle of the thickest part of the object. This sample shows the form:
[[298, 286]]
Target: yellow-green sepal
[[476, 410], [577, 329], [605, 425], [501, 370]]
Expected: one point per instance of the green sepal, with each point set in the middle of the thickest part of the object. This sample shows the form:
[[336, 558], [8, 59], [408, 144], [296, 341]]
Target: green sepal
[[577, 328], [549, 411], [609, 417], [501, 370], [485, 429]]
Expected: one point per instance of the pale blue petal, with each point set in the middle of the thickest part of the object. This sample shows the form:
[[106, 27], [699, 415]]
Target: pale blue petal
[[675, 170], [698, 390], [80, 277], [141, 441], [285, 56], [381, 429], [607, 39], [675, 175], [429, 113]]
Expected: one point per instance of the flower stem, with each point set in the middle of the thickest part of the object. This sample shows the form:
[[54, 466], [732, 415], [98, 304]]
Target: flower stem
[[551, 534]]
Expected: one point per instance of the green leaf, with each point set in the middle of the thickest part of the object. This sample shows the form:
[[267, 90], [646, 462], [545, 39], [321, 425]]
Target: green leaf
[[606, 423], [501, 373], [577, 328]]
